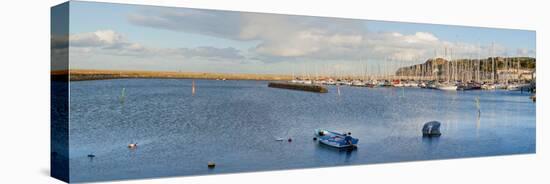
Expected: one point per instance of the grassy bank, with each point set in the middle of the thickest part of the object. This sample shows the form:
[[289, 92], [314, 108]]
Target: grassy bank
[[82, 75]]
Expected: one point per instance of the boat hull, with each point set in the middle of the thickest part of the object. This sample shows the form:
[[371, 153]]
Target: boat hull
[[337, 145], [447, 88], [335, 140]]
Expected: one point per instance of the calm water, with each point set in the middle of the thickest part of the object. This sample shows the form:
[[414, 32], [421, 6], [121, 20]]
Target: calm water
[[234, 124]]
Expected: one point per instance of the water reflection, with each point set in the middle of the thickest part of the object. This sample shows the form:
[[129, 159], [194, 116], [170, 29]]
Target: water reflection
[[325, 151], [430, 141]]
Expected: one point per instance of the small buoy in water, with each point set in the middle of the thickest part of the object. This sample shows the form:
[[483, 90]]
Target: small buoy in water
[[132, 146], [211, 164], [315, 138], [289, 139]]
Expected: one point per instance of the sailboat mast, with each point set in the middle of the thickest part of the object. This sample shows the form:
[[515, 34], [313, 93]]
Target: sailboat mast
[[493, 63], [478, 62]]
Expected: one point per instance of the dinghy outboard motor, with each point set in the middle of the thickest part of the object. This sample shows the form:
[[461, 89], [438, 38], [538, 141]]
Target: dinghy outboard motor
[[321, 133], [431, 129]]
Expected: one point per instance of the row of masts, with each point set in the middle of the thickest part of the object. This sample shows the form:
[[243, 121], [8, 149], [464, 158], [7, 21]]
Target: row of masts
[[441, 68], [476, 70]]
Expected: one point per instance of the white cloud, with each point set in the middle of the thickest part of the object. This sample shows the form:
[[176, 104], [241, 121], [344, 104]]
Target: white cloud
[[283, 37], [97, 38], [287, 37], [228, 53], [422, 37], [110, 42]]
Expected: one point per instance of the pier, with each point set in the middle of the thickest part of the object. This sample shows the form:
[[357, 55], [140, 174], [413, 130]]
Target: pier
[[302, 87]]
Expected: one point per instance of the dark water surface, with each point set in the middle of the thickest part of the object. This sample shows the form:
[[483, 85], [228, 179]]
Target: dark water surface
[[234, 124]]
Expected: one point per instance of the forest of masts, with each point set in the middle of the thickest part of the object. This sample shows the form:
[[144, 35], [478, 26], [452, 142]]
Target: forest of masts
[[445, 68]]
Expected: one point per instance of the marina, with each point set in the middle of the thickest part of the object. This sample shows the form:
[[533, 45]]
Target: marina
[[514, 74]]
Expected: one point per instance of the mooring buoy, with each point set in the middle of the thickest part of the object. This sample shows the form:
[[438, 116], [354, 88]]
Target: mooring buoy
[[132, 146], [211, 165]]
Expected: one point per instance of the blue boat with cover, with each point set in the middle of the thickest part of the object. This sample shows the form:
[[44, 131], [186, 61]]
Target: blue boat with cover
[[334, 139], [431, 129]]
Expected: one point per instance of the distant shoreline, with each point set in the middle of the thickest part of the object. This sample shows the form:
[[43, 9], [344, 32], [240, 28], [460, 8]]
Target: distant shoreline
[[84, 75]]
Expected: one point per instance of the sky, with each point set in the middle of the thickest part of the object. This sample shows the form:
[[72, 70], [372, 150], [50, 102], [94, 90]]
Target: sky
[[136, 37]]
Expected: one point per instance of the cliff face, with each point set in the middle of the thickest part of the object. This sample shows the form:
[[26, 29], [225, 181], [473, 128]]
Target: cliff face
[[470, 69]]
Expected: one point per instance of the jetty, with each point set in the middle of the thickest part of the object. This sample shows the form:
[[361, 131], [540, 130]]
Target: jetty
[[295, 86]]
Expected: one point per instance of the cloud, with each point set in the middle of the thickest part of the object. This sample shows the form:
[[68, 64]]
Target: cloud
[[221, 24], [288, 37], [279, 35], [110, 42], [106, 41], [220, 53], [97, 38]]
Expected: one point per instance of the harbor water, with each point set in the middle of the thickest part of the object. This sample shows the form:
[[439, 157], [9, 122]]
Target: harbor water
[[235, 124]]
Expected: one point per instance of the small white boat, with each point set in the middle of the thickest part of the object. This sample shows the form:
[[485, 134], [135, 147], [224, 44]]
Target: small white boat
[[412, 84], [488, 86], [422, 85], [399, 85], [447, 87], [518, 87], [321, 82], [331, 82], [357, 83]]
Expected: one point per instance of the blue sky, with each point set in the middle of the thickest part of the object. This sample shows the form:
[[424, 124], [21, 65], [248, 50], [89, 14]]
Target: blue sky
[[133, 37]]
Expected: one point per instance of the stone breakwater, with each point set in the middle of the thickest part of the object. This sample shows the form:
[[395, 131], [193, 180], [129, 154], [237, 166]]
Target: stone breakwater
[[301, 87]]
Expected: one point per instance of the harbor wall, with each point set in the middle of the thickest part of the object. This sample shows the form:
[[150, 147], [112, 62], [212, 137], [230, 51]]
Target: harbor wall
[[302, 87]]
